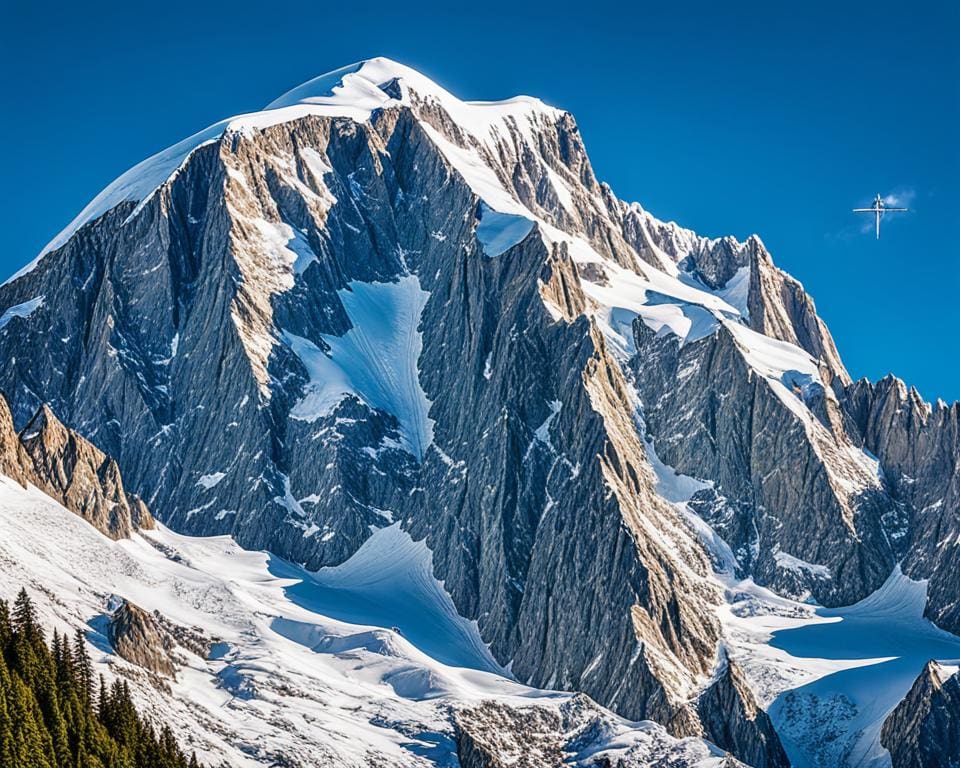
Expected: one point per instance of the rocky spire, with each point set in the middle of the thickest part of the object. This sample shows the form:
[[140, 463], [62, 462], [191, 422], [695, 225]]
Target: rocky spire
[[923, 731], [14, 462], [733, 719], [72, 470]]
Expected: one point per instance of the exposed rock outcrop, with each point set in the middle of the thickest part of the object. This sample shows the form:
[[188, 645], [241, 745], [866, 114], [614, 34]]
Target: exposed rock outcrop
[[14, 461], [496, 735], [924, 729], [138, 638], [80, 476], [72, 470]]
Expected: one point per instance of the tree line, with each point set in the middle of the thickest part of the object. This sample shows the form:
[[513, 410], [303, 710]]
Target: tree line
[[55, 714]]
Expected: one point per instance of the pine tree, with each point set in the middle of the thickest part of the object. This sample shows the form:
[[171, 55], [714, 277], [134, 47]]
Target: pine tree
[[56, 649], [84, 669], [6, 627], [102, 701], [25, 616]]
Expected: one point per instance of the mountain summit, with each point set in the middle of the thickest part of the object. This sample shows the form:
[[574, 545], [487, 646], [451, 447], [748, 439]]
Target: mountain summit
[[374, 306]]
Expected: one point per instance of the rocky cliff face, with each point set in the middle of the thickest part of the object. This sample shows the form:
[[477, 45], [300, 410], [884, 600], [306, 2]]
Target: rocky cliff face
[[779, 460], [730, 715], [373, 302], [918, 446], [72, 470], [924, 730]]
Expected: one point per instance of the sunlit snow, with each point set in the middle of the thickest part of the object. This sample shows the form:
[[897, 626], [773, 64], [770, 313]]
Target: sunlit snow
[[848, 667], [376, 360]]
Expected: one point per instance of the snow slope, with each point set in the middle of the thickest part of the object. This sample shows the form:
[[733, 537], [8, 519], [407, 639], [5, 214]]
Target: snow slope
[[351, 666], [831, 676], [376, 360]]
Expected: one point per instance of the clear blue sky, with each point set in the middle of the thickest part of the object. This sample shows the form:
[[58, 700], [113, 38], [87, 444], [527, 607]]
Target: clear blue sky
[[730, 118]]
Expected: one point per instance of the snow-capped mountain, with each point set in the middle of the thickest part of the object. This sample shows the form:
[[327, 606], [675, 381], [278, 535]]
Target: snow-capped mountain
[[374, 318]]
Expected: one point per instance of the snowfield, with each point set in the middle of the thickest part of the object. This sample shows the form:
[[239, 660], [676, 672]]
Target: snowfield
[[830, 677], [356, 665]]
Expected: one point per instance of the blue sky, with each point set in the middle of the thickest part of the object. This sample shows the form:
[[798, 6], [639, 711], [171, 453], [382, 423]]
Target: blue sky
[[730, 118]]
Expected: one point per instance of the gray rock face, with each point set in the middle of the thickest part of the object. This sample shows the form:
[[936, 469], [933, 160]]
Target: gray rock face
[[732, 719], [775, 477], [924, 729], [72, 470], [139, 639], [495, 736], [918, 446], [416, 313]]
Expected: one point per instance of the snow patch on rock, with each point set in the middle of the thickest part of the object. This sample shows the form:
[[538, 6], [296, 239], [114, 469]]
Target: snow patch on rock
[[376, 361], [22, 310], [499, 232]]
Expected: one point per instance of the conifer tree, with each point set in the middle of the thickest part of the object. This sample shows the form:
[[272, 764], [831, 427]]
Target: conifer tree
[[25, 616], [47, 714], [6, 627], [83, 668]]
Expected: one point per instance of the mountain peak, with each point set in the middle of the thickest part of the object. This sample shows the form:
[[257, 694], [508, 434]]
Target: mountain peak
[[354, 92], [330, 86], [365, 81]]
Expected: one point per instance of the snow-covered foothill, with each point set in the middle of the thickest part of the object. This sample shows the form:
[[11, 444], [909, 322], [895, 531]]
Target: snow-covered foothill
[[349, 666]]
